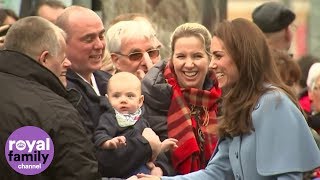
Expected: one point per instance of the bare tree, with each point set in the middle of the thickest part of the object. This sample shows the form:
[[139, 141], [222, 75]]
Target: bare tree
[[214, 11]]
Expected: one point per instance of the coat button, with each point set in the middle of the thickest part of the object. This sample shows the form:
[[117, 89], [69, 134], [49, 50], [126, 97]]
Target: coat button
[[238, 176], [237, 154]]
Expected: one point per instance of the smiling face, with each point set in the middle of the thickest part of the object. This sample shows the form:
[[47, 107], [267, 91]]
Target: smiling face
[[190, 62], [125, 97], [85, 42], [134, 45], [222, 64]]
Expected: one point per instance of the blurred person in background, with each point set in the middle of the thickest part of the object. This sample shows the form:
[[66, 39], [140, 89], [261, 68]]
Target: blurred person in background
[[49, 10], [7, 18], [288, 68], [313, 86], [305, 62], [313, 83], [276, 21]]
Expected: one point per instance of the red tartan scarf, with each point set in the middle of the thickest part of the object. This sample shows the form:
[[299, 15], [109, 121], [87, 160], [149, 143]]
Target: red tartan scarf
[[191, 120]]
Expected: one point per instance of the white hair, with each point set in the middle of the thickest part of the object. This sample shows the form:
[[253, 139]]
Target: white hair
[[125, 30], [313, 75]]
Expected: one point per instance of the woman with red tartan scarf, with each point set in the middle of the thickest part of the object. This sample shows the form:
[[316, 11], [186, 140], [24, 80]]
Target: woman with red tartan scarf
[[181, 100], [263, 134]]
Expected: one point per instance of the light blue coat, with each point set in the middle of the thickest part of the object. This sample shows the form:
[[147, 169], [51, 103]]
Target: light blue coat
[[280, 148]]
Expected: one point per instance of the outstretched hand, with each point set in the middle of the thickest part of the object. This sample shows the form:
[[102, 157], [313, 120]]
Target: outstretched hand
[[114, 143], [169, 144], [148, 177]]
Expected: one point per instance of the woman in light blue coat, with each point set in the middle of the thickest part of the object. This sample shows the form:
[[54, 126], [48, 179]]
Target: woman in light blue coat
[[263, 133]]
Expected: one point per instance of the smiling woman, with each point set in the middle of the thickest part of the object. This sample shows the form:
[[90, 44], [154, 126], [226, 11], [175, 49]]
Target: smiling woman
[[180, 100], [255, 112]]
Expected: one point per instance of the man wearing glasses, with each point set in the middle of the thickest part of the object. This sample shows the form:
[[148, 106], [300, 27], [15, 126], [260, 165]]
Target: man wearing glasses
[[133, 46]]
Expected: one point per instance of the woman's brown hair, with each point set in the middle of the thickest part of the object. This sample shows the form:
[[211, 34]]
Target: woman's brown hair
[[289, 69], [247, 46]]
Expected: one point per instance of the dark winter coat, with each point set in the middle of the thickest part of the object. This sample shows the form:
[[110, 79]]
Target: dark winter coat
[[31, 95], [90, 105]]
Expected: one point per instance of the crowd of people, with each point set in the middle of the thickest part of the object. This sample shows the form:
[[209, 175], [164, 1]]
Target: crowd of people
[[222, 105]]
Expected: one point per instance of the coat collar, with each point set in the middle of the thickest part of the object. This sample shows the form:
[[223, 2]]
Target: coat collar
[[23, 66]]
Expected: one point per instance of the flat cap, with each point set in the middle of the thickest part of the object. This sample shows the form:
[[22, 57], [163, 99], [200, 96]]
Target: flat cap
[[272, 17]]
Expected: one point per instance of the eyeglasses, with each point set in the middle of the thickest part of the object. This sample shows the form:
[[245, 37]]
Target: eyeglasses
[[137, 56]]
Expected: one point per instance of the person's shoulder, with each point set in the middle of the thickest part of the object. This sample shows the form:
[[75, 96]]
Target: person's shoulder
[[102, 74], [274, 94], [53, 100], [43, 100], [273, 98]]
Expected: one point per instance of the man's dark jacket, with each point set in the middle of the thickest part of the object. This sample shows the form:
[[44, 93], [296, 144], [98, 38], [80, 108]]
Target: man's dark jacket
[[31, 95], [91, 104]]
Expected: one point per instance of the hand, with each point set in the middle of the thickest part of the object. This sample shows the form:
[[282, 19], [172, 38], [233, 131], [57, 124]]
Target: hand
[[154, 142], [156, 171], [148, 64], [148, 177], [169, 144], [140, 74], [115, 143], [133, 178]]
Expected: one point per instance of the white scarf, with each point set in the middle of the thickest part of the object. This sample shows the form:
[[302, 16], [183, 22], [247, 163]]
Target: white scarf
[[125, 120]]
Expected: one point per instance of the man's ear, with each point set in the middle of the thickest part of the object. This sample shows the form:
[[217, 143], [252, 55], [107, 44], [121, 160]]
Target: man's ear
[[288, 33], [115, 60], [43, 57]]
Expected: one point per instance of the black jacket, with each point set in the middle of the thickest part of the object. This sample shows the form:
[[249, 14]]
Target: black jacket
[[91, 105], [314, 121], [122, 161], [31, 95], [157, 98]]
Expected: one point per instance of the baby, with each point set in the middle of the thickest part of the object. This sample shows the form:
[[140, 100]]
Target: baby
[[124, 95]]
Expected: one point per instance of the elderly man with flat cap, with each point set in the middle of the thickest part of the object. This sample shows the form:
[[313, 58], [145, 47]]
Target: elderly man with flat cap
[[275, 20]]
